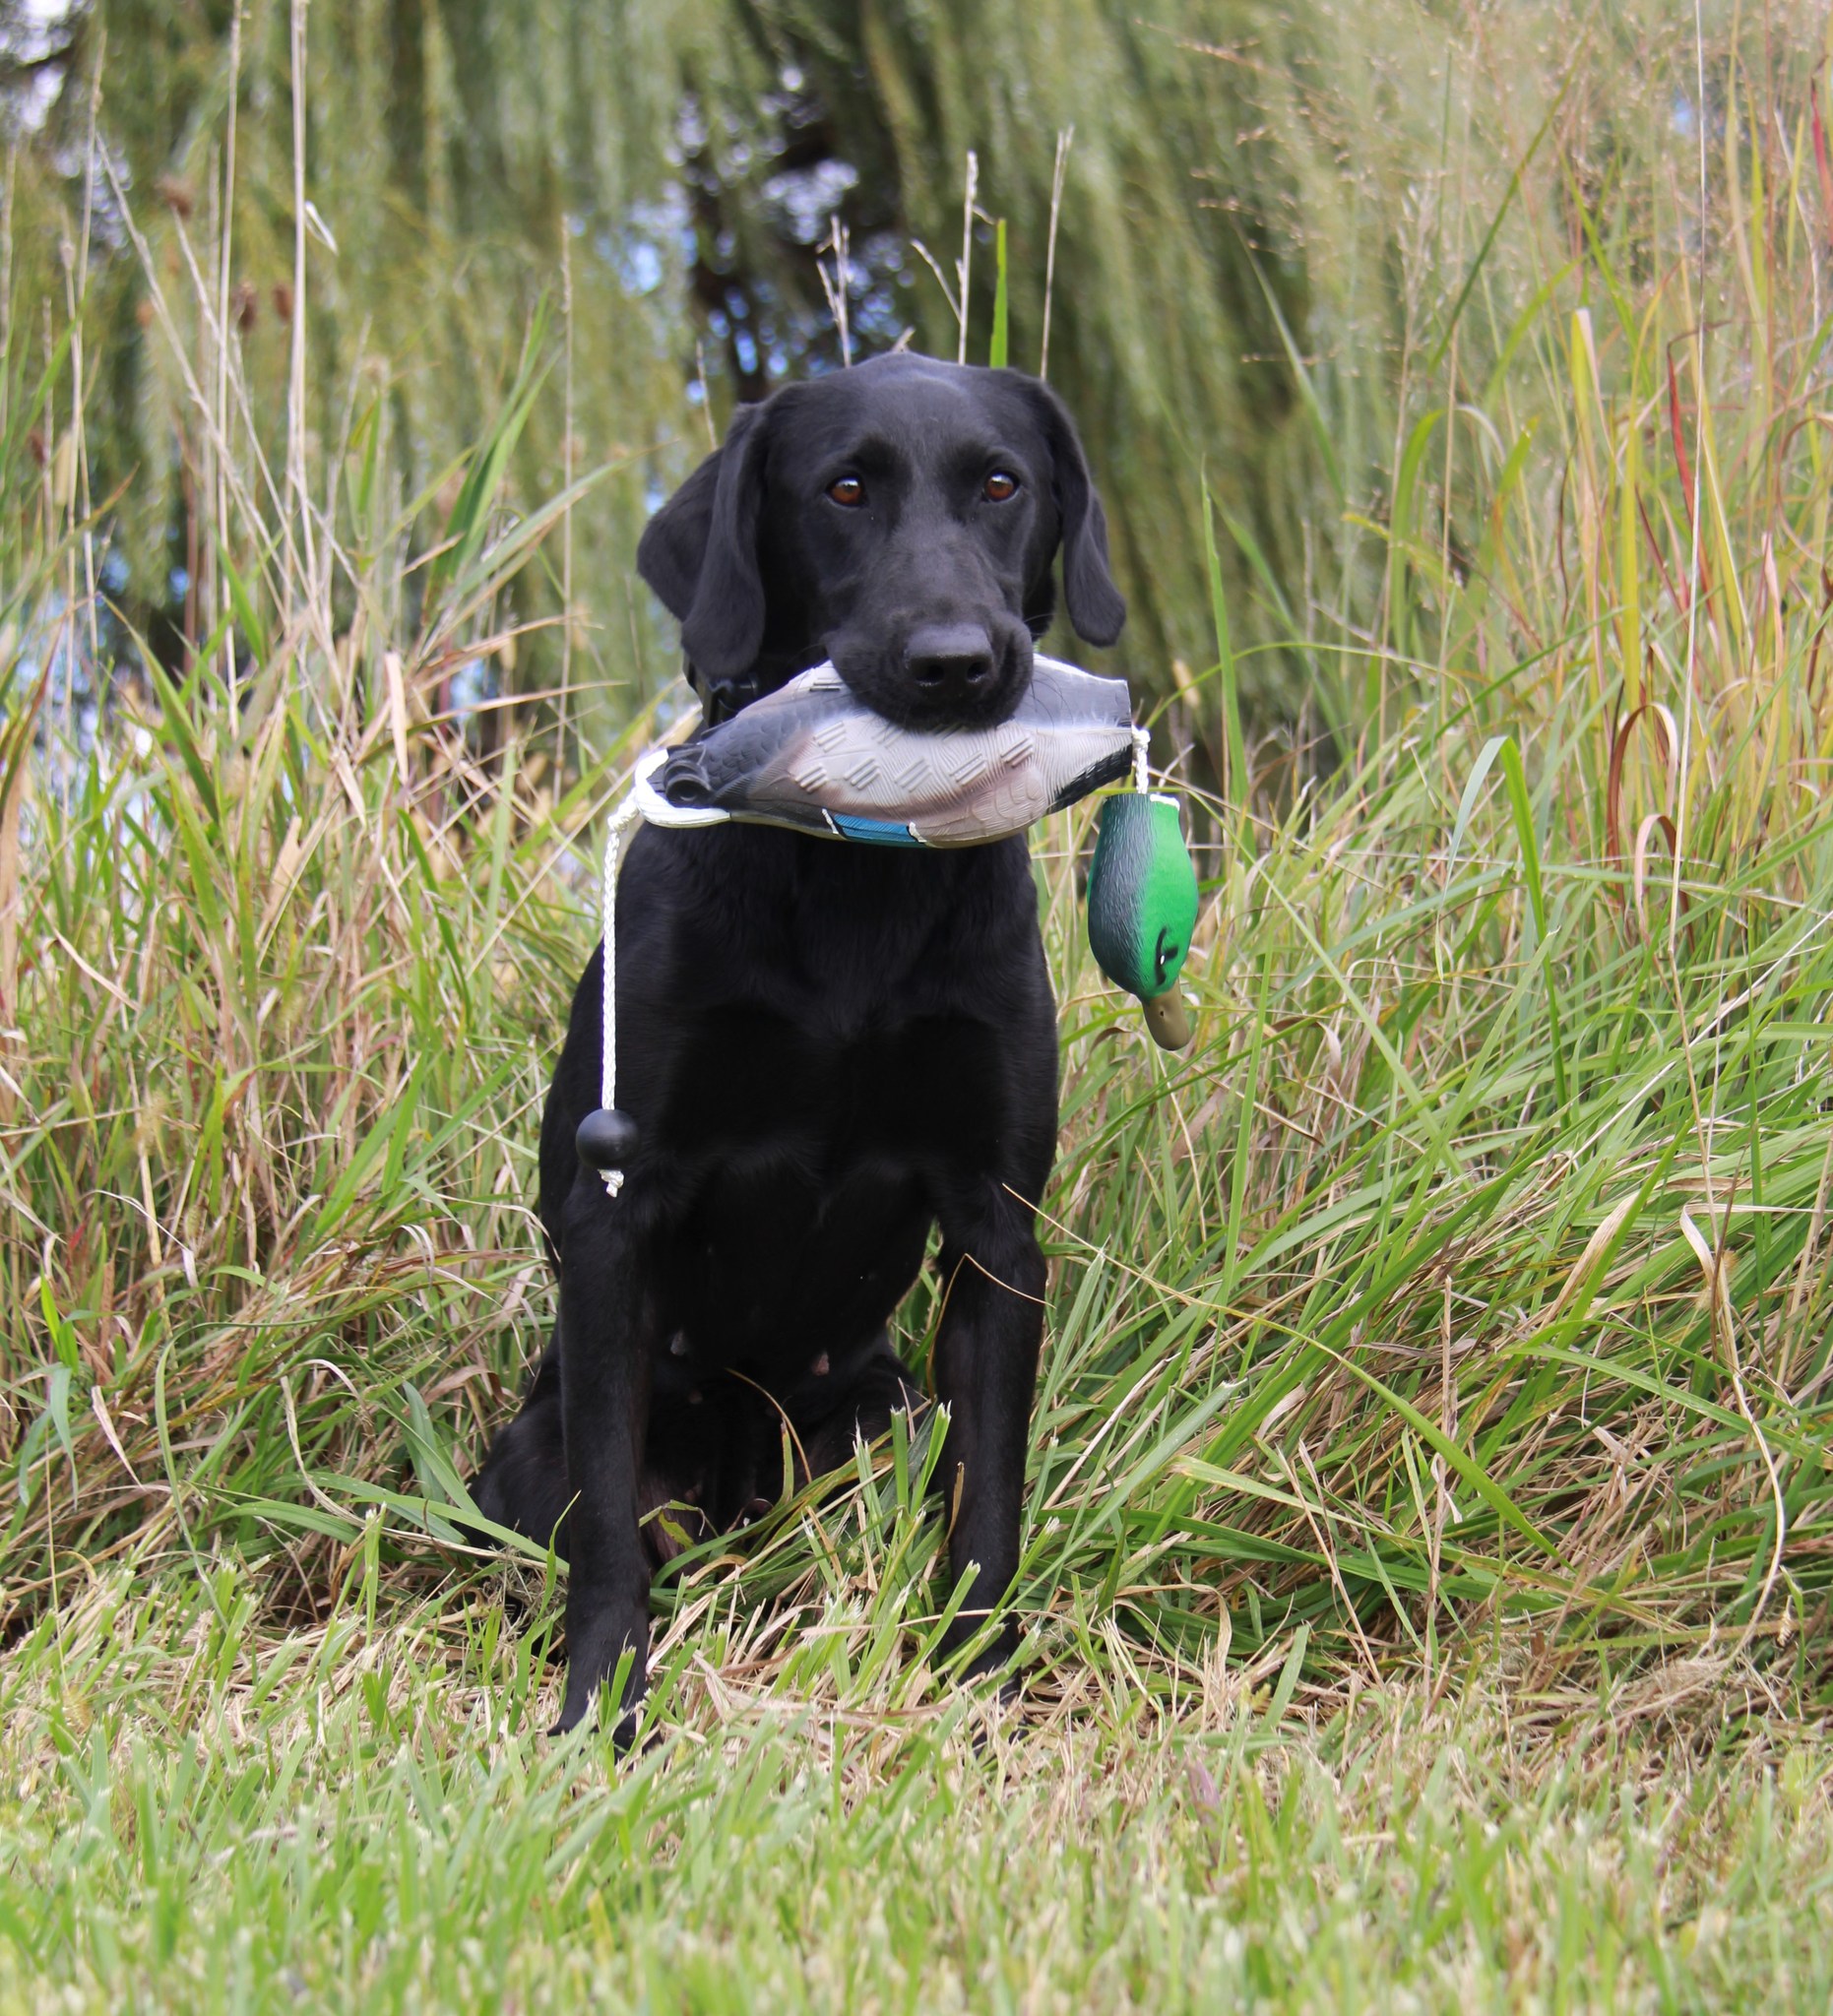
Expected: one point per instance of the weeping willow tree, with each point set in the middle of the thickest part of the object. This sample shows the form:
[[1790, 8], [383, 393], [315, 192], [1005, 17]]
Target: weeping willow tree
[[1236, 301]]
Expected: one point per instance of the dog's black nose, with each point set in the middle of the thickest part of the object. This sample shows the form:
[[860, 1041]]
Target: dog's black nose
[[950, 660]]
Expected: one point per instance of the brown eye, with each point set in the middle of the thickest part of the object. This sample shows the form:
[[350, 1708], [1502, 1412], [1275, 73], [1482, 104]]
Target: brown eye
[[999, 486], [847, 490]]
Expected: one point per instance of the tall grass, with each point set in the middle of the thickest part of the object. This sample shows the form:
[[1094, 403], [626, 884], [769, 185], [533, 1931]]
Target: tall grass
[[1459, 1300], [1250, 184]]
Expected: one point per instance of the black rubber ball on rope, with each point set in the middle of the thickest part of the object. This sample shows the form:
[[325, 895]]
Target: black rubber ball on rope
[[606, 1138]]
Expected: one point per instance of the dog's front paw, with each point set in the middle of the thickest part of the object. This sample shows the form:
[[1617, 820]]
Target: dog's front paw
[[994, 1658], [624, 1724], [582, 1700], [601, 1653]]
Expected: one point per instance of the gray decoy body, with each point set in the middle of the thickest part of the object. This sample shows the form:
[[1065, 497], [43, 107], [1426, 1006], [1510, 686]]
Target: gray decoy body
[[812, 757]]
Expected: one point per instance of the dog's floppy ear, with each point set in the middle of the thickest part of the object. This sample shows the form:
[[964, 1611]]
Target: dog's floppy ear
[[1097, 608], [699, 553], [674, 541]]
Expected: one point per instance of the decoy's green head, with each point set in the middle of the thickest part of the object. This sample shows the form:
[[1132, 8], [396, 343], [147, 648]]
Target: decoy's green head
[[1142, 894], [902, 519]]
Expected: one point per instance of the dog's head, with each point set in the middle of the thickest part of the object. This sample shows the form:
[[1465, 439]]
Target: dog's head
[[900, 517]]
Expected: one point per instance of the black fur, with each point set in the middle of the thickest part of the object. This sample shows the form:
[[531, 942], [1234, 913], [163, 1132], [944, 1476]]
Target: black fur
[[827, 1048]]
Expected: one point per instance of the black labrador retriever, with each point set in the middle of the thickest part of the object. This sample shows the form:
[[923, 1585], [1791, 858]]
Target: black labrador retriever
[[826, 1047]]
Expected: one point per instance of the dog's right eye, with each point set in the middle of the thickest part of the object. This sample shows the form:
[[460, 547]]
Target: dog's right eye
[[847, 490]]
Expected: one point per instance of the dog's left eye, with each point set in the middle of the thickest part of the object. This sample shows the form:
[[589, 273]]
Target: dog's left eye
[[847, 490], [999, 486]]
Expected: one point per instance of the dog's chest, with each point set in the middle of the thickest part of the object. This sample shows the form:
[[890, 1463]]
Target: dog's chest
[[753, 1089], [804, 1170]]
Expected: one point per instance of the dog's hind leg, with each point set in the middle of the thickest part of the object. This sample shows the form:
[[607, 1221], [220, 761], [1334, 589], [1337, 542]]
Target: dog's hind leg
[[856, 1399], [523, 1481], [810, 1422]]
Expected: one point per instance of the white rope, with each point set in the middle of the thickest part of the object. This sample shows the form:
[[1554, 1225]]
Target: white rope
[[1142, 741]]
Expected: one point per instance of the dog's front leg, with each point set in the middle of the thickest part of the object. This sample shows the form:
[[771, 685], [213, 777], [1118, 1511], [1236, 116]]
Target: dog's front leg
[[604, 1408], [985, 1370]]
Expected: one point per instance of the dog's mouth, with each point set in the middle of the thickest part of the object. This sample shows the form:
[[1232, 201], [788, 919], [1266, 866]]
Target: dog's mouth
[[940, 676]]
